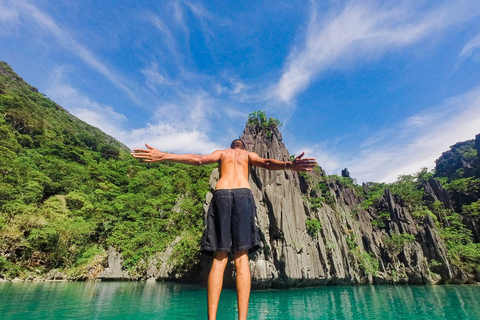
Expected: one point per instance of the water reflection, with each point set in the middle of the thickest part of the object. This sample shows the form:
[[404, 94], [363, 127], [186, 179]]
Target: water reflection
[[139, 300], [369, 302]]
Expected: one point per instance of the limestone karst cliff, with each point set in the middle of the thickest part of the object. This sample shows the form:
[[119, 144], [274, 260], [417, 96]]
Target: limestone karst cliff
[[349, 247]]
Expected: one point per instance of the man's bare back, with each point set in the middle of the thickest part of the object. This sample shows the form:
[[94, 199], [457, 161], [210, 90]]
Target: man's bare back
[[233, 169]]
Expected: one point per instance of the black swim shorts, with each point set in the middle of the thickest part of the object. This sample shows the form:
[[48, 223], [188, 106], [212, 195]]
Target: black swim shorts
[[231, 222]]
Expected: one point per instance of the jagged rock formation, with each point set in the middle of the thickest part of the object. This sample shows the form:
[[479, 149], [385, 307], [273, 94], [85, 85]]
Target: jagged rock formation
[[348, 248], [161, 266], [114, 271], [435, 192], [455, 163], [477, 144], [462, 161]]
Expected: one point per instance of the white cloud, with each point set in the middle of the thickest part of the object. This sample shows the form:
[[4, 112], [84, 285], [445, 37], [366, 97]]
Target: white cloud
[[7, 14], [169, 39], [408, 148], [362, 31], [99, 115], [238, 87], [190, 111], [172, 139], [173, 128], [153, 77], [232, 112], [46, 23], [179, 17], [9, 21], [199, 10], [470, 47], [329, 162]]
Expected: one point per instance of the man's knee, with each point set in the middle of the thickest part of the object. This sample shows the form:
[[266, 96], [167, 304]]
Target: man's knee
[[241, 260], [220, 259]]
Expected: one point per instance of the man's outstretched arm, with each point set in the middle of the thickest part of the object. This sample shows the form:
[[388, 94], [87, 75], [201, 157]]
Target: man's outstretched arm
[[153, 155], [299, 164]]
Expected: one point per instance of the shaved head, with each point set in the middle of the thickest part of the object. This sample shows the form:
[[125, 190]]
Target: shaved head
[[237, 143]]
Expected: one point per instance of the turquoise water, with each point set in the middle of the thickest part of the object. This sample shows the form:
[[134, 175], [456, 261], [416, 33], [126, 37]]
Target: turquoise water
[[140, 300]]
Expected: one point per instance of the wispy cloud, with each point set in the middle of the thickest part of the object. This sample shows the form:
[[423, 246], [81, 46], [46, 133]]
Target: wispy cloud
[[235, 113], [173, 52], [168, 138], [199, 10], [179, 127], [206, 16], [419, 140], [102, 116], [173, 127], [327, 160], [168, 37], [469, 48], [32, 13], [153, 77], [179, 17], [7, 13], [361, 31], [189, 111]]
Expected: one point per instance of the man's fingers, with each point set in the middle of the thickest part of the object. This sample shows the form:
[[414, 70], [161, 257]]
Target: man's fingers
[[300, 156], [308, 161], [139, 155], [307, 166], [148, 146]]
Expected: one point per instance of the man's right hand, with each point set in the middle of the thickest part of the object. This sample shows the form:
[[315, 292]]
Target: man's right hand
[[299, 164], [149, 155]]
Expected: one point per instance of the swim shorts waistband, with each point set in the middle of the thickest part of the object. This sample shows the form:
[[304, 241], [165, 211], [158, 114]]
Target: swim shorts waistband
[[239, 188]]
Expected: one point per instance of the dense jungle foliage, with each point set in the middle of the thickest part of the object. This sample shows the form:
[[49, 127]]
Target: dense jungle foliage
[[68, 191]]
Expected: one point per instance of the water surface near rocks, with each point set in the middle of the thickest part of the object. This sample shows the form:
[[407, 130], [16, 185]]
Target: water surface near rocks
[[140, 300]]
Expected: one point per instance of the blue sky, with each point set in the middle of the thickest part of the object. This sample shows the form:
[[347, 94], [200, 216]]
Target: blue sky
[[382, 88]]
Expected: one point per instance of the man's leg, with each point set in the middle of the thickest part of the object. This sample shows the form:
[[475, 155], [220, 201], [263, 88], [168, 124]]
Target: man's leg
[[243, 283], [215, 282]]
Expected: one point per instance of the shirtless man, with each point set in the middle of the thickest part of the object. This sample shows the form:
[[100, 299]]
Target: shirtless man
[[231, 217]]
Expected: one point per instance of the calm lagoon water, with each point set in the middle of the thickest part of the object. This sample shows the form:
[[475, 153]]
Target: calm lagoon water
[[140, 300]]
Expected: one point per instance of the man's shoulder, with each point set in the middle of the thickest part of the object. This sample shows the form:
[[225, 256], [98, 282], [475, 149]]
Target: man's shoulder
[[230, 153], [230, 150]]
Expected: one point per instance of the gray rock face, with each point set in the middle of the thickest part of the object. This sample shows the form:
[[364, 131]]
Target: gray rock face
[[477, 144], [435, 192], [161, 267], [55, 275], [348, 248], [114, 271]]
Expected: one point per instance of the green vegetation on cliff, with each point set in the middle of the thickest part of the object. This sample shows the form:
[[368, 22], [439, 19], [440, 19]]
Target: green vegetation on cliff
[[68, 191], [267, 124], [458, 171]]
